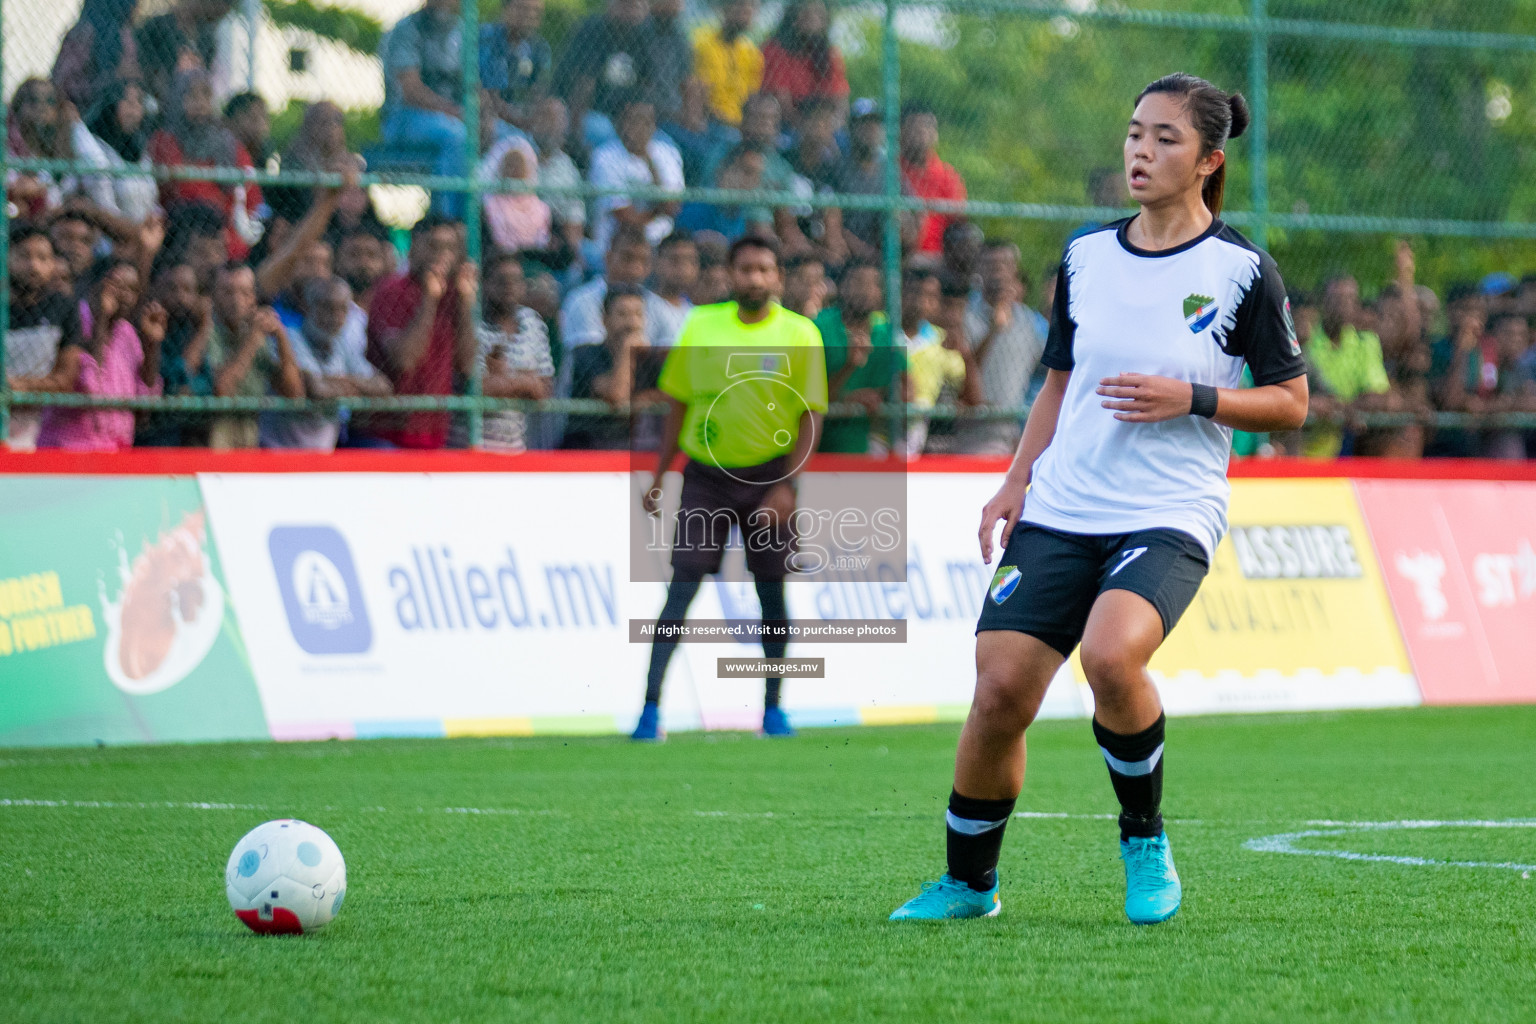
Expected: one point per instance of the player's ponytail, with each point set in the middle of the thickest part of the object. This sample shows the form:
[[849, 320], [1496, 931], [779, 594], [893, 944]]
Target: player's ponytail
[[1217, 117]]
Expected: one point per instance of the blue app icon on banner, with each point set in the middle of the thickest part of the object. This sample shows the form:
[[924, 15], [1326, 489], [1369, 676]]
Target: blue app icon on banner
[[320, 591]]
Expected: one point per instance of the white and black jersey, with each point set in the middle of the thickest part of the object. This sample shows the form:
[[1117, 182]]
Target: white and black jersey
[[1196, 312]]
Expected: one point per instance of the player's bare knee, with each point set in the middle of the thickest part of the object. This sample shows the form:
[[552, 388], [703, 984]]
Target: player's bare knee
[[1111, 668], [1002, 701]]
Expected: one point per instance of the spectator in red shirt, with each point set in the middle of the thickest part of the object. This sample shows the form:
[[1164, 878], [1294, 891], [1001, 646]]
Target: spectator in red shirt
[[800, 63], [421, 332], [195, 136], [925, 175]]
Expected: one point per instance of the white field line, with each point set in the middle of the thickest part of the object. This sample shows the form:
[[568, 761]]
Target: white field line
[[1067, 817], [901, 814], [202, 805], [133, 805], [1053, 815], [209, 805], [1411, 823], [1285, 842]]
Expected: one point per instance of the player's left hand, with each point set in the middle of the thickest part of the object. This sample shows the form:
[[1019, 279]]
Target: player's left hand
[[780, 501], [1143, 398], [650, 498]]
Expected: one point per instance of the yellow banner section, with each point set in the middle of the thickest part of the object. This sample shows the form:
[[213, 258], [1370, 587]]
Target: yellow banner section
[[1295, 587], [33, 616]]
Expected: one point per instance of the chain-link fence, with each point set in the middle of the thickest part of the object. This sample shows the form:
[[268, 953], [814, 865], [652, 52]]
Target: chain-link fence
[[267, 222]]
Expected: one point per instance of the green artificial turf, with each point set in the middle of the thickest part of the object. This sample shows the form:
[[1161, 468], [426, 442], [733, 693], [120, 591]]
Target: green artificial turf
[[728, 878]]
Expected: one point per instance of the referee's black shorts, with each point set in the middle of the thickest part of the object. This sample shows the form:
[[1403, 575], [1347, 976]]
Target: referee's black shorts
[[1047, 580], [716, 499]]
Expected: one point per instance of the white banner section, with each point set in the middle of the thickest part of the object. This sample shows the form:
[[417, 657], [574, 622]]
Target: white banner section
[[480, 604]]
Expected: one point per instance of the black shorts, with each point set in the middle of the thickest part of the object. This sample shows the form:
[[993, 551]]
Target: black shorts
[[713, 501], [1047, 580]]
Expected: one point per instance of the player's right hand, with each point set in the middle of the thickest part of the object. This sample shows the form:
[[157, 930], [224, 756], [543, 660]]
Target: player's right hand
[[1007, 504], [650, 498], [779, 502]]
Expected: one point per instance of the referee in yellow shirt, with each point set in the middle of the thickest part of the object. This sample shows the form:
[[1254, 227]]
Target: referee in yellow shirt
[[747, 386]]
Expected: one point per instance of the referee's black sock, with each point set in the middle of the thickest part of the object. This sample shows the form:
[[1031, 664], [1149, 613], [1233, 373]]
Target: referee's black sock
[[680, 594], [770, 594], [1136, 771], [973, 838]]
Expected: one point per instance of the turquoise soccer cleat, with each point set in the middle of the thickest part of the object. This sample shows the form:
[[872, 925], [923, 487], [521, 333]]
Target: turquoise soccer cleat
[[947, 900], [648, 729], [1152, 888], [776, 723]]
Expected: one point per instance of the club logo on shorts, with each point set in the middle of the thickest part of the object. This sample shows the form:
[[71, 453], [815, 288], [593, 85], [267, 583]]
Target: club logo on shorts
[[1004, 582], [1199, 312]]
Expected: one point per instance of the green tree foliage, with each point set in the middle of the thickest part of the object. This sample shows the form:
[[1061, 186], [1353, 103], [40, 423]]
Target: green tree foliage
[[1512, 16], [560, 18], [345, 25], [362, 126], [1029, 106]]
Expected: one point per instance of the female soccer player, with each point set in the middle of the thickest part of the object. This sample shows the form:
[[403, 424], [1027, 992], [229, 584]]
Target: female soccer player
[[1126, 448]]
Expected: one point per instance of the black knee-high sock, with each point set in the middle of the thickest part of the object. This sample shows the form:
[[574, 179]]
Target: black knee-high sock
[[1136, 771], [973, 838], [680, 594], [770, 594]]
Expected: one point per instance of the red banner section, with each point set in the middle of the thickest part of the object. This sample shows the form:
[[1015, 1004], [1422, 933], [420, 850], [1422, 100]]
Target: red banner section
[[187, 461], [1460, 565]]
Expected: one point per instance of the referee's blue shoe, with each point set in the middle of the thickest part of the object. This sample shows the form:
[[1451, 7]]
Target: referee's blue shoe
[[1152, 889], [776, 723], [648, 729], [948, 900]]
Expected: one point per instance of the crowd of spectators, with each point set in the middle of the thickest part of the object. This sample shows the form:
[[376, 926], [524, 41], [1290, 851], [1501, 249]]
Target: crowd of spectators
[[1409, 353], [128, 286]]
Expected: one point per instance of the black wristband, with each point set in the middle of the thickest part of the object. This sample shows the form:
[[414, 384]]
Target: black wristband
[[1202, 400]]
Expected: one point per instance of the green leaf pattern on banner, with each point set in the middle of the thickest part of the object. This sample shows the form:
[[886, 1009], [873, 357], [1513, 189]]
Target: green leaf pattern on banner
[[108, 584]]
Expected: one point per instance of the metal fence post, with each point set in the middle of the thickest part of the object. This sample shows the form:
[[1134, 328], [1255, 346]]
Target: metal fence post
[[1258, 84], [890, 80], [470, 53], [252, 15]]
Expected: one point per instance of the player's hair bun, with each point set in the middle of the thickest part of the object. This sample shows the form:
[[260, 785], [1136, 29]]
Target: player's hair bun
[[1241, 119], [1216, 116]]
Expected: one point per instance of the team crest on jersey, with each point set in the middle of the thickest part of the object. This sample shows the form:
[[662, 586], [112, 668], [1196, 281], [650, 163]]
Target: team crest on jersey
[[1199, 312], [1004, 582]]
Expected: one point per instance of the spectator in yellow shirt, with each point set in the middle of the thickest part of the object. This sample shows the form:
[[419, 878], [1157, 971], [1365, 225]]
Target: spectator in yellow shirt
[[729, 63], [938, 361], [1346, 365]]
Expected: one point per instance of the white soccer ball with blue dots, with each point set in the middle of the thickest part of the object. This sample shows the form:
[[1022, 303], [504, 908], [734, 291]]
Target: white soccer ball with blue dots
[[285, 877]]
